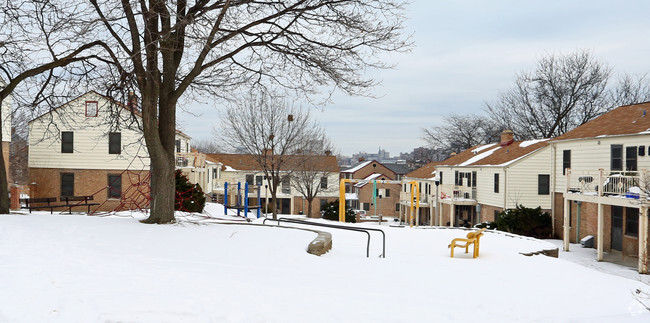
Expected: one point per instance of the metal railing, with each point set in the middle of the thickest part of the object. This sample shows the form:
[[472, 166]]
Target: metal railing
[[342, 227], [627, 184]]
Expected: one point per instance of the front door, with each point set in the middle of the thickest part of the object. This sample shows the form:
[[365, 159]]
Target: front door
[[617, 228]]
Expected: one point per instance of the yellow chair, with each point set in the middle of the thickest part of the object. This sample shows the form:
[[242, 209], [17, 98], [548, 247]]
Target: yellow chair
[[473, 237]]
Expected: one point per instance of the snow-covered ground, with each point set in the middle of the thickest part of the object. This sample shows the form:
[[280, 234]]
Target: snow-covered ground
[[114, 269]]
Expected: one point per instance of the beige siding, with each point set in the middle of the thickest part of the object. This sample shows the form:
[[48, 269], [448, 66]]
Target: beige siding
[[593, 154], [6, 119], [522, 183], [485, 186]]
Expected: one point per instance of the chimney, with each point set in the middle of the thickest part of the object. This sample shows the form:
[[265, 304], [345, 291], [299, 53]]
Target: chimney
[[507, 137], [268, 152], [133, 102]]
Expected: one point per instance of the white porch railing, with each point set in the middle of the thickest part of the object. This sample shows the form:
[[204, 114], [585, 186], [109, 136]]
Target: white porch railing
[[190, 160], [602, 182], [458, 192]]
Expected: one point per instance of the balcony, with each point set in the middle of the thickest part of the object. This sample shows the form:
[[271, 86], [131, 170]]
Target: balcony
[[190, 160], [455, 194], [619, 184]]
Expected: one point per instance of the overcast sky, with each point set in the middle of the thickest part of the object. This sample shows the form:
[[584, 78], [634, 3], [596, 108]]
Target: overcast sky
[[465, 53]]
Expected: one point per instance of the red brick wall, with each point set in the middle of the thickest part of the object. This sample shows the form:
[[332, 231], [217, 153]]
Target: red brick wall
[[299, 206], [47, 183], [5, 155], [386, 205], [487, 212]]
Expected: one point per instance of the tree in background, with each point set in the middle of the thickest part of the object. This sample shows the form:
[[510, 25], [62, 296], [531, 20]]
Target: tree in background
[[273, 132], [629, 90], [312, 168], [331, 212], [563, 92], [460, 132]]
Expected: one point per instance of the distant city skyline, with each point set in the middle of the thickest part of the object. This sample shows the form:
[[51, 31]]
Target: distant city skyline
[[465, 53]]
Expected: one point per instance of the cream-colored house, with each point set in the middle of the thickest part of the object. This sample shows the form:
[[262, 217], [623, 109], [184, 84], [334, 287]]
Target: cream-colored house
[[600, 183], [478, 183], [243, 168], [92, 146], [423, 211], [6, 131]]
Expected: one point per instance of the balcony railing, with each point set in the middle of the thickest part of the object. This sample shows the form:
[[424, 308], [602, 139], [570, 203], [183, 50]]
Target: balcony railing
[[458, 192], [608, 183], [190, 160]]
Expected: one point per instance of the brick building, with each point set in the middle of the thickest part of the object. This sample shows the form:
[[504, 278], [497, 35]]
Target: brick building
[[360, 195]]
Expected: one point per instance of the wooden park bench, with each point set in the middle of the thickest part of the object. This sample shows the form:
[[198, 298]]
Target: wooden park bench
[[38, 203], [472, 238], [72, 201]]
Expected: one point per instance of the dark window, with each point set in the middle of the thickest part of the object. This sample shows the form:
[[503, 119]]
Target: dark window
[[631, 221], [249, 179], [323, 182], [366, 206], [496, 215], [456, 178], [286, 185], [641, 150], [474, 179], [114, 186], [630, 158], [114, 143], [496, 183], [616, 162], [397, 207], [543, 184], [440, 177], [67, 184], [178, 146], [323, 203], [258, 180], [566, 160], [387, 193], [67, 142], [91, 108]]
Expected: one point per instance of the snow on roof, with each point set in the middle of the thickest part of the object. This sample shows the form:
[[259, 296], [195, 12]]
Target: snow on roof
[[369, 178], [479, 157], [356, 168], [230, 169], [351, 196], [531, 142], [478, 149]]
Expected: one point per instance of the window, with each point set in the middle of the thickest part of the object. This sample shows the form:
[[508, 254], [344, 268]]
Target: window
[[457, 178], [323, 203], [258, 180], [440, 177], [566, 160], [630, 158], [214, 174], [67, 142], [323, 182], [114, 186], [115, 143], [641, 150], [543, 184], [286, 185], [178, 146], [474, 179], [249, 179], [496, 215], [387, 193], [496, 183], [616, 161], [366, 206], [632, 222], [91, 108], [67, 184], [397, 207]]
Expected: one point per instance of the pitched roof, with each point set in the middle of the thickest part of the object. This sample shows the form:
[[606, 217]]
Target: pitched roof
[[357, 167], [400, 169], [425, 172], [624, 120], [247, 162], [494, 154]]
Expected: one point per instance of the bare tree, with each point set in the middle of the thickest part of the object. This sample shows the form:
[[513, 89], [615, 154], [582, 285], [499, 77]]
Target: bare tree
[[630, 89], [216, 47], [207, 146], [272, 132], [460, 132], [312, 167], [563, 92]]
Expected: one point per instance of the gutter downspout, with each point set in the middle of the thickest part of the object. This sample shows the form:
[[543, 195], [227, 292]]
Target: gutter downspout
[[578, 222]]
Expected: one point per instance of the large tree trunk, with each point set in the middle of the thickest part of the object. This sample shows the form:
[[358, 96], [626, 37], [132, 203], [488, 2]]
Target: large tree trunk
[[4, 188], [160, 134], [309, 201]]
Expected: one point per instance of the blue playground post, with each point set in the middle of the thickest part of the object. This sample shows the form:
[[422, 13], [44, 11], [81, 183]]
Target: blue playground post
[[238, 198], [225, 198], [246, 200], [259, 201]]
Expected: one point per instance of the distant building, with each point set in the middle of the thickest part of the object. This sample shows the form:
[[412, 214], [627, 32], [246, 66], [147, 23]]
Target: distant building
[[360, 195]]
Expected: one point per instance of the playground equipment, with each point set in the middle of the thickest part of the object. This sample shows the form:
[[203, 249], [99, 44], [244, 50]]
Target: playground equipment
[[238, 199], [415, 201]]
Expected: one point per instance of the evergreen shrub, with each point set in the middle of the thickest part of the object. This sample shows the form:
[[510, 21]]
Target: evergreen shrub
[[189, 197], [525, 221], [330, 211]]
